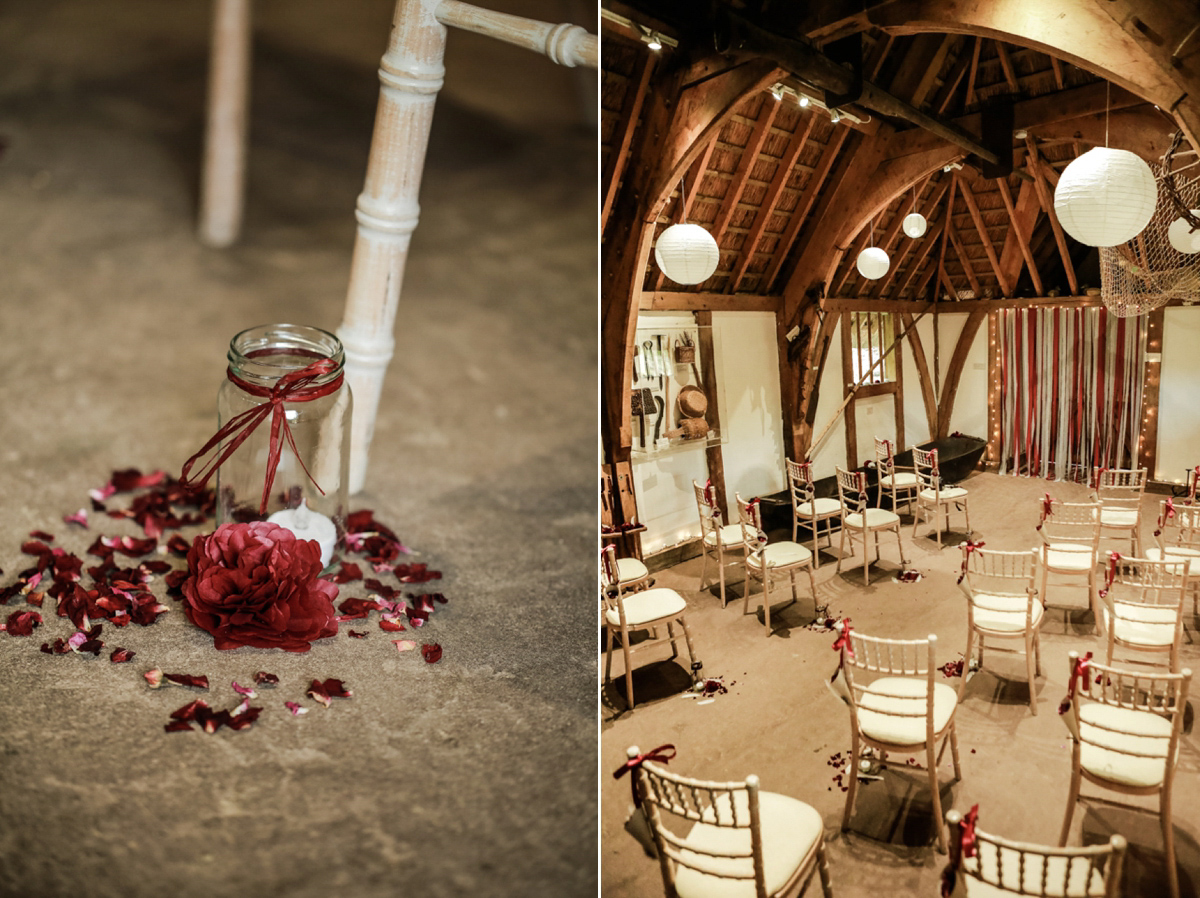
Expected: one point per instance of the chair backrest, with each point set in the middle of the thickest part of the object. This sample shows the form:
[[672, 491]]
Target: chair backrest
[[1160, 694], [706, 504], [929, 475], [1023, 868], [750, 517], [1069, 522], [1140, 582], [1193, 480], [800, 482], [868, 658], [610, 588], [885, 457], [1178, 528], [996, 573], [1119, 487], [852, 490], [673, 803]]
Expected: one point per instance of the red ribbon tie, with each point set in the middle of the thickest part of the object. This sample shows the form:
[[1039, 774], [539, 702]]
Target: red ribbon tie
[[659, 755], [968, 547]]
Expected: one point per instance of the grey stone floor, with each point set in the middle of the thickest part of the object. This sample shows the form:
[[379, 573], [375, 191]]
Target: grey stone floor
[[475, 775], [780, 722]]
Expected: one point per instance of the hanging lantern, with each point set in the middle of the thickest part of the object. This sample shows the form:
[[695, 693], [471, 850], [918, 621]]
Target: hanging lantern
[[1105, 197], [873, 263], [1182, 237], [914, 225], [687, 253]]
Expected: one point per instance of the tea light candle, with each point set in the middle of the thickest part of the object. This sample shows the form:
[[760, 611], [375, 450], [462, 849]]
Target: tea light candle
[[309, 524]]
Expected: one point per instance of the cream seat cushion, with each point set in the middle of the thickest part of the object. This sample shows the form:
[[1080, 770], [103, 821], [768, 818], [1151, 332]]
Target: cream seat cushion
[[781, 554], [731, 535], [630, 569], [819, 507], [903, 695], [1097, 723], [1118, 517], [790, 828], [1081, 878], [1146, 625], [1069, 557], [899, 480], [1003, 614], [876, 518], [954, 492], [649, 605], [1180, 552]]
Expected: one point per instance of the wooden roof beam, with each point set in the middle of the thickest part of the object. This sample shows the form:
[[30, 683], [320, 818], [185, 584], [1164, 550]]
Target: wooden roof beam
[[981, 226], [1023, 217], [931, 204], [733, 193], [783, 173], [631, 109], [974, 71], [953, 79], [1034, 164], [964, 259], [1006, 64], [929, 243]]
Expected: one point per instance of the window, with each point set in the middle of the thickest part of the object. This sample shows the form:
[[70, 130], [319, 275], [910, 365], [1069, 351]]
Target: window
[[871, 335]]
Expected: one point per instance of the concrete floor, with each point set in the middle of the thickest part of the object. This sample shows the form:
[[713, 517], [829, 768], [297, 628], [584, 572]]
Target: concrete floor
[[475, 775], [779, 721]]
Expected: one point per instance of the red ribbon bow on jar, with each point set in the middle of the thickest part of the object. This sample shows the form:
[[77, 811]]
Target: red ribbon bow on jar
[[1079, 675], [968, 547], [1047, 510], [659, 755], [294, 387]]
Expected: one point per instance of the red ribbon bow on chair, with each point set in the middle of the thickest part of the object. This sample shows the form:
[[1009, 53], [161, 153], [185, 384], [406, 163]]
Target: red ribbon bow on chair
[[968, 547], [935, 470], [964, 846], [1047, 510], [608, 560], [861, 479], [1167, 513], [710, 498], [843, 640], [1079, 674], [887, 444], [655, 754], [294, 387], [1113, 558]]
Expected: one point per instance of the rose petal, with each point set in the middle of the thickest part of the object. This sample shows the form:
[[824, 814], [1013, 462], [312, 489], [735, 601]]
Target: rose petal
[[153, 678], [244, 690], [356, 608], [200, 682], [392, 626], [190, 710], [295, 708], [329, 689], [262, 678], [42, 535], [120, 656], [432, 652], [21, 623], [358, 634], [178, 726], [80, 517], [404, 645]]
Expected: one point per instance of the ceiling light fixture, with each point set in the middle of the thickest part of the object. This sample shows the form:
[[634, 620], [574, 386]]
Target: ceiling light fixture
[[777, 92]]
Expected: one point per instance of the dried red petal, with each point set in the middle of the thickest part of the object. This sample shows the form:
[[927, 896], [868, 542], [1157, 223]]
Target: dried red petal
[[262, 678], [295, 708], [200, 682], [178, 726], [329, 689], [42, 535], [348, 573], [80, 517], [190, 710], [120, 656], [243, 717], [21, 623], [178, 546], [391, 626], [415, 573], [35, 598], [358, 634], [432, 652], [382, 589], [244, 690], [355, 608], [59, 647], [130, 479]]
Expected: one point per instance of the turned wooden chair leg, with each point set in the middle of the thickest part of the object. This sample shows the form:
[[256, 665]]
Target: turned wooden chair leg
[[962, 686], [852, 775], [1169, 843], [1071, 799], [936, 799], [1029, 669]]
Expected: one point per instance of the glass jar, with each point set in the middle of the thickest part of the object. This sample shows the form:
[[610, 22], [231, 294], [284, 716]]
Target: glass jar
[[301, 367]]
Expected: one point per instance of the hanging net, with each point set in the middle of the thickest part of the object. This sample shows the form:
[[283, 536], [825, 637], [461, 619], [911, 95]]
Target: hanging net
[[1147, 272]]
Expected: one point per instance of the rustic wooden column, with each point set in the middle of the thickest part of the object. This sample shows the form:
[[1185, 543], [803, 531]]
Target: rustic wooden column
[[223, 175]]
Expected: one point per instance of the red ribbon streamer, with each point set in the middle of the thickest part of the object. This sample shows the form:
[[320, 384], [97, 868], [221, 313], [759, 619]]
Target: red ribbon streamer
[[1100, 477], [968, 547], [1047, 510], [1113, 558], [1079, 674], [1168, 512], [294, 387], [887, 444], [709, 496], [861, 479], [608, 557], [659, 755], [964, 846], [843, 640]]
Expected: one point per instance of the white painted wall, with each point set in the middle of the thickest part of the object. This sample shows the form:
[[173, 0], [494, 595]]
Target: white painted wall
[[747, 362], [970, 413], [832, 450], [1178, 416]]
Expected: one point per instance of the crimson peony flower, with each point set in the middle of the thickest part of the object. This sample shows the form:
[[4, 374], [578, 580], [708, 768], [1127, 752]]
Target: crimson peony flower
[[256, 584]]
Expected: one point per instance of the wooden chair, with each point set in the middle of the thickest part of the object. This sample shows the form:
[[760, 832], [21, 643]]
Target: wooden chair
[[729, 840], [1070, 533], [716, 537], [933, 496], [767, 560], [1119, 492], [410, 76], [899, 483], [807, 510], [860, 521], [1002, 604], [1141, 606], [625, 613], [1125, 729], [902, 709], [629, 574], [1178, 538], [1003, 867]]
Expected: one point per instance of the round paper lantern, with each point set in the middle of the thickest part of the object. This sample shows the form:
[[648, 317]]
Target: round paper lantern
[[873, 263], [914, 224], [1181, 236], [1105, 197], [686, 253]]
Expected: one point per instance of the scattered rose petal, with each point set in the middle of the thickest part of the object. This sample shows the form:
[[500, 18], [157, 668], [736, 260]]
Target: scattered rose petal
[[358, 634], [178, 546], [262, 678], [35, 598], [392, 626], [348, 573], [244, 690], [21, 623], [243, 716], [356, 608], [404, 645], [178, 726], [42, 535], [200, 682], [153, 678], [190, 710], [80, 517], [432, 652], [59, 647], [295, 708], [120, 655], [327, 690]]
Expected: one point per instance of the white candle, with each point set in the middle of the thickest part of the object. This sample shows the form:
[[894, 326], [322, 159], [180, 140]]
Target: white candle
[[309, 524]]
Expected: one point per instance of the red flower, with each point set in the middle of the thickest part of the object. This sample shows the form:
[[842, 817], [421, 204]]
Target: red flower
[[256, 584]]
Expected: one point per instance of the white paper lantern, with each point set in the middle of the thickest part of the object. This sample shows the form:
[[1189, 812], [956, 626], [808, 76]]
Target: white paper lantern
[[1105, 197], [873, 263], [1181, 236], [914, 224], [687, 253]]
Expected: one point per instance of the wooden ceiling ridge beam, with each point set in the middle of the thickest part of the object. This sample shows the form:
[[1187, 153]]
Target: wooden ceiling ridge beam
[[749, 156], [1037, 169], [783, 173], [1006, 287], [680, 301], [1023, 218], [626, 124]]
